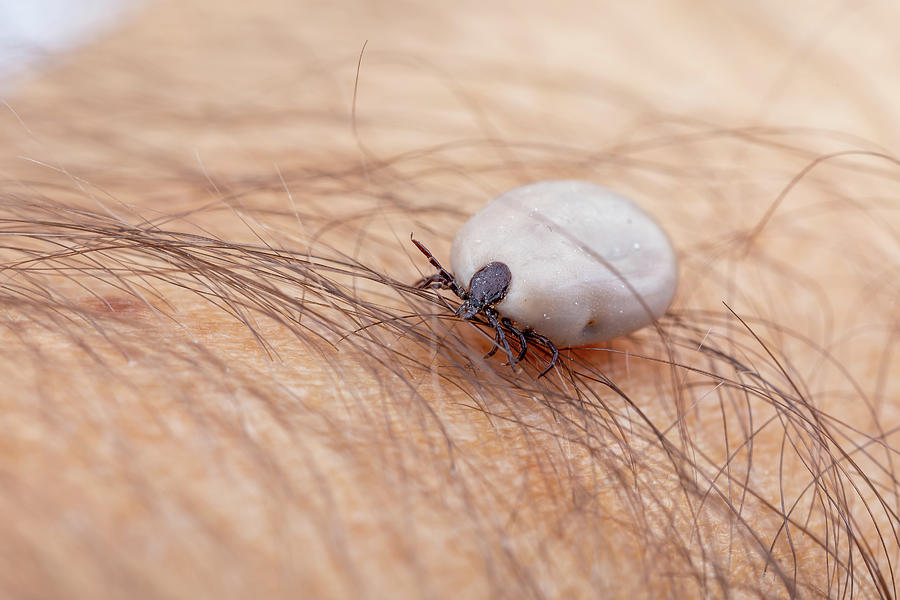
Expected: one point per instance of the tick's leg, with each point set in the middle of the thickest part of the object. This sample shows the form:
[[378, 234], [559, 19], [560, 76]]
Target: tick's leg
[[496, 345], [492, 318], [523, 343], [443, 275], [435, 282], [550, 346]]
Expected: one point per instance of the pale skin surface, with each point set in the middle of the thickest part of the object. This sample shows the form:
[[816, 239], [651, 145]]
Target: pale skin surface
[[186, 416]]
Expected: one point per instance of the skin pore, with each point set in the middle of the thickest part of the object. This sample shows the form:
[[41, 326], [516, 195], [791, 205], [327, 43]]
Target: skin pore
[[218, 380]]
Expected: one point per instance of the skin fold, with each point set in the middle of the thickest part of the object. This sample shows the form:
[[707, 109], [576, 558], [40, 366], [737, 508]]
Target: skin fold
[[218, 380]]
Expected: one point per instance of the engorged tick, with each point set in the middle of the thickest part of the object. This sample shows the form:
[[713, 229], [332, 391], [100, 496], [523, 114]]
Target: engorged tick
[[572, 260], [486, 289]]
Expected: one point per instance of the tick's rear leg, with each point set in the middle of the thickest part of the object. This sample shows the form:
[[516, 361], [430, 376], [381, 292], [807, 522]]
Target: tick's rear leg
[[495, 346], [493, 319], [549, 345], [523, 343]]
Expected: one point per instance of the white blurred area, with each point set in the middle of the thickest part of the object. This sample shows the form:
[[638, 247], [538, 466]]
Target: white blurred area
[[33, 31]]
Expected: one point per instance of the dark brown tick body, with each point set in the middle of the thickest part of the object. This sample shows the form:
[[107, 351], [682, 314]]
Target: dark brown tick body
[[487, 288]]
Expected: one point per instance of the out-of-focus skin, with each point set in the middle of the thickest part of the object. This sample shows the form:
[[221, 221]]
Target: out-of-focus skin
[[168, 428]]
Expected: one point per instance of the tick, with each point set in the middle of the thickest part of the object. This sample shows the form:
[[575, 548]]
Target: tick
[[566, 263], [487, 288]]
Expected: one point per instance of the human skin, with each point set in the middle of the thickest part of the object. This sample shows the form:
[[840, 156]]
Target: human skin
[[214, 382]]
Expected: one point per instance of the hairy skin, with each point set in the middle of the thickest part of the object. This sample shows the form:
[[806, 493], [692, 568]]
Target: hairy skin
[[217, 380]]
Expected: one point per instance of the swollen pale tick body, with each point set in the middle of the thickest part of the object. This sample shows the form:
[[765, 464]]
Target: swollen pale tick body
[[565, 263]]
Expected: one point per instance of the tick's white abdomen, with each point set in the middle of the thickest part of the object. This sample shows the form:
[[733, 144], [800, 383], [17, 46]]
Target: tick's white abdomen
[[587, 264]]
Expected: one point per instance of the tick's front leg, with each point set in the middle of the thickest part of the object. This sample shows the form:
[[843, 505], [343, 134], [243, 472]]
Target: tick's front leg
[[443, 276], [435, 282]]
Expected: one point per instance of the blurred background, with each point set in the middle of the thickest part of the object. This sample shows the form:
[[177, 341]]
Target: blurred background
[[33, 31]]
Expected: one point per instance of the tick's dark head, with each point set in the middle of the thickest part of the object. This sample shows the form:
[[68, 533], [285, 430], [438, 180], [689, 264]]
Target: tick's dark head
[[488, 286]]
